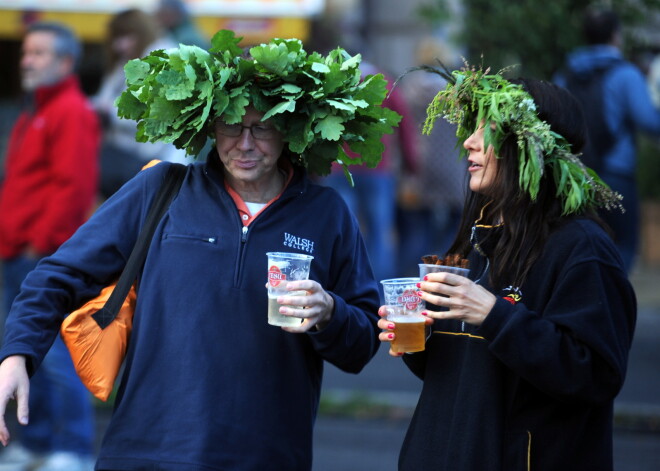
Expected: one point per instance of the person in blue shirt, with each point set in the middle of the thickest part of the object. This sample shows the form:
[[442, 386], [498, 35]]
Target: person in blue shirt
[[626, 109]]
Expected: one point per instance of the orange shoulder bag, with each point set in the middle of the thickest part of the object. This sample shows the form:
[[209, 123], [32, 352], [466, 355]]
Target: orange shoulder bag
[[97, 333]]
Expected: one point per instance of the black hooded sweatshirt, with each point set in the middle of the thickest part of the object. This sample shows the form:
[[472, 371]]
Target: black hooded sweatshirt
[[533, 387]]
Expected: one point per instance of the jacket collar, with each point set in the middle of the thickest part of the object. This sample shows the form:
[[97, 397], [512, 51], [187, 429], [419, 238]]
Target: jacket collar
[[587, 58], [297, 182], [43, 95], [484, 237]]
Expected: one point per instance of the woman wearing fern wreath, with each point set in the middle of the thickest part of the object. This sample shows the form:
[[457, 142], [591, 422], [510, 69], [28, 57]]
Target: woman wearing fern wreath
[[208, 384], [521, 371]]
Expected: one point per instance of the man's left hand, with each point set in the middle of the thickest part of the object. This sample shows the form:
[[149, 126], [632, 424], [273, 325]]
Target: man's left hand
[[315, 308]]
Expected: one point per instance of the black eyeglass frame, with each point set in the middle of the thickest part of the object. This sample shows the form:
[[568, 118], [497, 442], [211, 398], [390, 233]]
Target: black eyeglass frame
[[236, 130]]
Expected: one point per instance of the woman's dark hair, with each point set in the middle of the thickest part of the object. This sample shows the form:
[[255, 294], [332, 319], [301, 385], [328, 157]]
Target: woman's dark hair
[[526, 223], [134, 22]]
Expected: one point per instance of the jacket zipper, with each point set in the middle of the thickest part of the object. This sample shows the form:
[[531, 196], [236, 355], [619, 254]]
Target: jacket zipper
[[241, 254], [529, 450], [244, 235], [210, 240]]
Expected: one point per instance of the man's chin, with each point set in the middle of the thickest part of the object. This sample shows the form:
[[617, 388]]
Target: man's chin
[[30, 84], [27, 86]]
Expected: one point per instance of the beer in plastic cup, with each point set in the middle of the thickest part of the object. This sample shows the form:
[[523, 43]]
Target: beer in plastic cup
[[282, 268], [404, 308]]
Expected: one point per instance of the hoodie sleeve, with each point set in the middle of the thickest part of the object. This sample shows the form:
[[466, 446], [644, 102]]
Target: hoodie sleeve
[[631, 100], [350, 339], [575, 345]]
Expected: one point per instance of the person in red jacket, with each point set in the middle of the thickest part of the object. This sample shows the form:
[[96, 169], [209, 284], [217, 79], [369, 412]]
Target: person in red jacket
[[49, 190]]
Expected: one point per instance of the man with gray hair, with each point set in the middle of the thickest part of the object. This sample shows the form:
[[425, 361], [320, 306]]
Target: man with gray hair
[[49, 190]]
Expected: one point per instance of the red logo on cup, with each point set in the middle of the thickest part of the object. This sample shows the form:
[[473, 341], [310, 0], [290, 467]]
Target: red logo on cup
[[409, 299], [275, 276]]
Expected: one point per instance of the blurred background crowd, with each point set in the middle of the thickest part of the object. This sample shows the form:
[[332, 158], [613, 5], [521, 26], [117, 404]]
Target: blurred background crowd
[[409, 205], [393, 202], [399, 222]]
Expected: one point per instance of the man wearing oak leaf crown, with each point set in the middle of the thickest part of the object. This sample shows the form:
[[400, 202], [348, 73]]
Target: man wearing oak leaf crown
[[208, 383]]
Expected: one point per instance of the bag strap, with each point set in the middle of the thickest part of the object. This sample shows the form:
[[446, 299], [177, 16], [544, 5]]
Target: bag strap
[[161, 203]]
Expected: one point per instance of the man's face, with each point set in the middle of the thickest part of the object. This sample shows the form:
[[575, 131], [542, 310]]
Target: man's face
[[40, 65], [249, 162]]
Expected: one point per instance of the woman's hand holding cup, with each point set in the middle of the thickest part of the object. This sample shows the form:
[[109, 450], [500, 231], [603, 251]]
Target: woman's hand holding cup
[[387, 328]]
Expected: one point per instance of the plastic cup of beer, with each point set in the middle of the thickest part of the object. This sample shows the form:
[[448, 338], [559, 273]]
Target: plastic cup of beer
[[282, 268], [404, 308], [425, 269]]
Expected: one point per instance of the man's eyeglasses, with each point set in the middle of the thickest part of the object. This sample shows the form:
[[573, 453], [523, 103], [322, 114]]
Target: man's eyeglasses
[[258, 131]]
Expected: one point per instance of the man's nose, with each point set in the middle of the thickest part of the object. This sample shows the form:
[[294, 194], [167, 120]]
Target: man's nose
[[245, 140]]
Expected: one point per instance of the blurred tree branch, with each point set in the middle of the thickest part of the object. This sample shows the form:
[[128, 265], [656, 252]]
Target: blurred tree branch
[[533, 35]]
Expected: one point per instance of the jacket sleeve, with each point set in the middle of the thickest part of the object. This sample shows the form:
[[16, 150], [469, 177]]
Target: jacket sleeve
[[73, 159], [92, 258], [630, 93], [350, 339], [416, 363], [576, 349]]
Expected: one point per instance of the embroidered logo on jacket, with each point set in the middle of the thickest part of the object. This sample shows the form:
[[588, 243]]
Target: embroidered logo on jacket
[[514, 295], [298, 243]]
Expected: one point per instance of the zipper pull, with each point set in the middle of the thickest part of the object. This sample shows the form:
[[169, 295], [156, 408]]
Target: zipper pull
[[244, 236]]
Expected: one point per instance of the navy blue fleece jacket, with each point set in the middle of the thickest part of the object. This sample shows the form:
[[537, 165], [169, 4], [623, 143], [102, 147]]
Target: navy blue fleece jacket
[[532, 388], [208, 383]]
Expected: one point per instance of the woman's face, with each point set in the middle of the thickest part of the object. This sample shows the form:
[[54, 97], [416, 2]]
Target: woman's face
[[125, 46], [248, 160], [483, 163]]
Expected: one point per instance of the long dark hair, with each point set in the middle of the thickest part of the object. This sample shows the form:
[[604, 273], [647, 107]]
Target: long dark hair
[[526, 224], [133, 21]]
